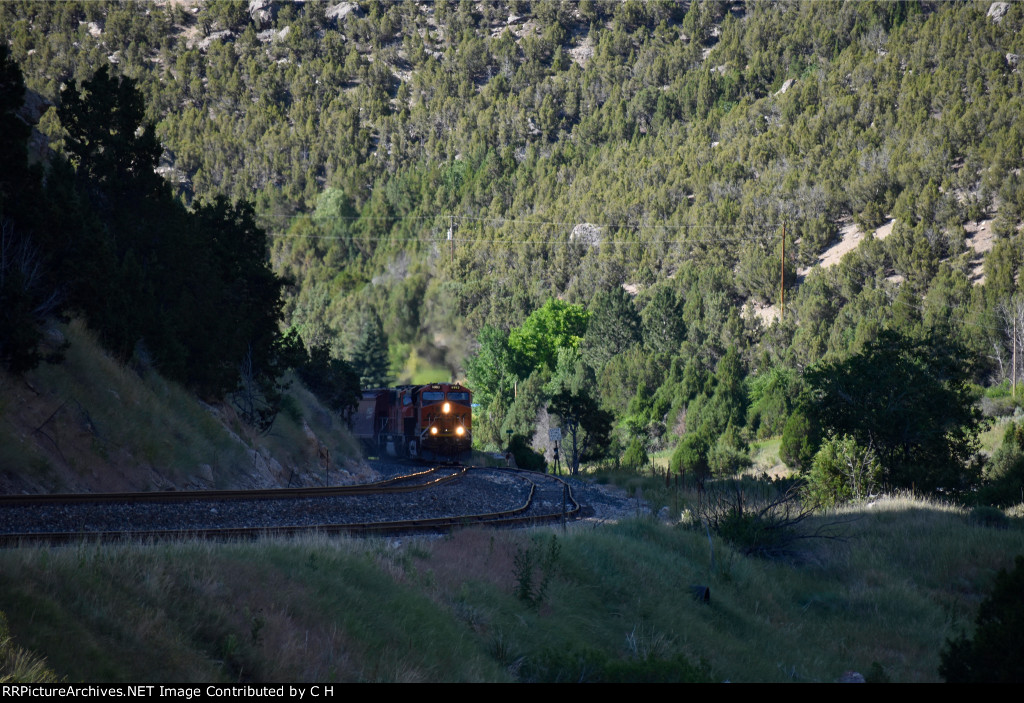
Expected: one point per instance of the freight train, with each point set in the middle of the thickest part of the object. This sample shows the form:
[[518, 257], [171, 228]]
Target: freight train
[[431, 422]]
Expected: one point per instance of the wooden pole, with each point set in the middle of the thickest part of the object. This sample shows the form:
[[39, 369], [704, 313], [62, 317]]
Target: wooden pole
[[782, 277]]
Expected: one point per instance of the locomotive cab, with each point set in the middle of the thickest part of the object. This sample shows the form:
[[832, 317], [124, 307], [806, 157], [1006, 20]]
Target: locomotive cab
[[445, 423], [431, 422]]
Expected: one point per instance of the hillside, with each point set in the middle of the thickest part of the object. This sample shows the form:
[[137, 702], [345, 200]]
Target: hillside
[[92, 424], [681, 131], [431, 176]]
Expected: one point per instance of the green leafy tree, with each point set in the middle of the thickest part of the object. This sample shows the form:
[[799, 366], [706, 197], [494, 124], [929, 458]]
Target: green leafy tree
[[490, 375], [712, 415], [192, 290], [662, 320], [521, 415], [909, 401], [589, 426], [1004, 473], [771, 400], [28, 293], [635, 457], [229, 302], [16, 178], [526, 457], [730, 453], [489, 370], [107, 138], [332, 380], [628, 380], [690, 457], [536, 342], [258, 396], [799, 441]]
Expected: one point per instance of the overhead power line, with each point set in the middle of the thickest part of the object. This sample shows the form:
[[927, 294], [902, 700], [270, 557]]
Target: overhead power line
[[730, 233]]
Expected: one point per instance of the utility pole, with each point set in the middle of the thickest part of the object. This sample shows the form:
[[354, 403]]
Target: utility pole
[[782, 276]]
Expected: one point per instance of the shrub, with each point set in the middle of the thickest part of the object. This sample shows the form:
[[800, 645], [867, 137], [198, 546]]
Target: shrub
[[729, 455], [842, 471], [18, 665], [995, 652], [765, 523], [690, 457], [1004, 475], [987, 516], [997, 406], [525, 456], [589, 665], [543, 555], [635, 456], [799, 442], [907, 399]]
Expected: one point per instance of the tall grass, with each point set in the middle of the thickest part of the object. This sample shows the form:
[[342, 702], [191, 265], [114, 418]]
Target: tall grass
[[617, 604], [18, 665], [312, 609]]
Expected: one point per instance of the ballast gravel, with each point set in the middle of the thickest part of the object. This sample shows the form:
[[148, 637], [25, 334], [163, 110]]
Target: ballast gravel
[[475, 493]]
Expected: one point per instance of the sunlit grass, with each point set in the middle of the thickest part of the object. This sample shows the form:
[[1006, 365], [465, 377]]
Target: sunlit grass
[[764, 454], [992, 436]]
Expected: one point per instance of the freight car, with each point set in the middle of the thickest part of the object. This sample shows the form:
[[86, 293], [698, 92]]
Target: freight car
[[431, 422]]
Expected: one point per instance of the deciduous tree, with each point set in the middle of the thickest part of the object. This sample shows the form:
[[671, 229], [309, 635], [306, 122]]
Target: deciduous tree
[[908, 400], [589, 427]]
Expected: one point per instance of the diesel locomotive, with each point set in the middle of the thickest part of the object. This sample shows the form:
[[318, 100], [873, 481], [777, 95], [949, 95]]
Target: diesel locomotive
[[431, 422]]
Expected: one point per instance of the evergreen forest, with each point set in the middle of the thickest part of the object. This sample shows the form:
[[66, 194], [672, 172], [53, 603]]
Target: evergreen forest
[[613, 217]]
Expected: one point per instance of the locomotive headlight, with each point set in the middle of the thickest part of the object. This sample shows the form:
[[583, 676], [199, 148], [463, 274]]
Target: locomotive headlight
[[447, 408], [433, 430], [460, 430]]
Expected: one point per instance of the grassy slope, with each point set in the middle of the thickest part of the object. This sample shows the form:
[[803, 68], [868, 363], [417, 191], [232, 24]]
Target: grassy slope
[[908, 575], [92, 424]]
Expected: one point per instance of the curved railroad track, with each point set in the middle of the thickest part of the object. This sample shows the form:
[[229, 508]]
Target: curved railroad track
[[433, 500]]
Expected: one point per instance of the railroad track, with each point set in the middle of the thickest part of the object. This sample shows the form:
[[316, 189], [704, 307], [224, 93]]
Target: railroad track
[[434, 500]]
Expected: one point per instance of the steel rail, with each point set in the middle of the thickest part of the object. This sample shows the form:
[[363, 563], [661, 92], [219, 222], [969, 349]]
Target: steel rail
[[386, 486], [506, 518]]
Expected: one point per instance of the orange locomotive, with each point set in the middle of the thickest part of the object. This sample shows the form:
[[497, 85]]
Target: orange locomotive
[[432, 422]]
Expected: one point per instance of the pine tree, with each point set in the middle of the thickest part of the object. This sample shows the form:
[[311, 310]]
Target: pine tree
[[370, 354]]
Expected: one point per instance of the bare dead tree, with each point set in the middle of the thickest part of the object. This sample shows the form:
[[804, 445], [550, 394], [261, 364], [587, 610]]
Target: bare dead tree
[[255, 398], [27, 301], [769, 524], [1011, 311], [20, 261], [245, 398]]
